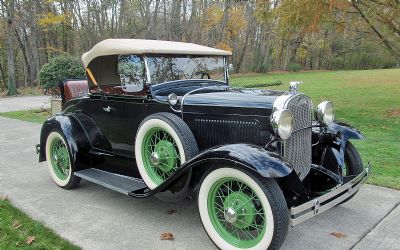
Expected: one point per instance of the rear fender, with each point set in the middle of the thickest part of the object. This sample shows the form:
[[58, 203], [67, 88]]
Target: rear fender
[[77, 140]]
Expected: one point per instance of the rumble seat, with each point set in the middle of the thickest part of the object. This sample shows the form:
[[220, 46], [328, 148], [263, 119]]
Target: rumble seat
[[74, 88]]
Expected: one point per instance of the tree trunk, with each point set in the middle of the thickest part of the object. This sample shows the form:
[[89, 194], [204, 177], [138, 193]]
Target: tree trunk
[[29, 74], [3, 78], [12, 89]]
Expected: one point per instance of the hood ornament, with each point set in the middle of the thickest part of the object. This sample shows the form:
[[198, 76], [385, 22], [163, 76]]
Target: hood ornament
[[294, 86]]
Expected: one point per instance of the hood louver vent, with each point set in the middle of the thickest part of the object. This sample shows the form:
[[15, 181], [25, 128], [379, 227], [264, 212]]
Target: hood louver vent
[[212, 132]]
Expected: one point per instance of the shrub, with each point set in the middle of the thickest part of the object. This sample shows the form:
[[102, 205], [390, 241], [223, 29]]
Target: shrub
[[59, 68], [294, 67], [263, 85]]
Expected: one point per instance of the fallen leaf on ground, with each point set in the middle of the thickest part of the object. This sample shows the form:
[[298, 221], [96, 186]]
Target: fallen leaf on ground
[[172, 211], [16, 224], [30, 239], [167, 236], [338, 234]]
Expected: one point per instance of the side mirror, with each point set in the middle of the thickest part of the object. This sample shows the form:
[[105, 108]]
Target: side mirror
[[230, 67]]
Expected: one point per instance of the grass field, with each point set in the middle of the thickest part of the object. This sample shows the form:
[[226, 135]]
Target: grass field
[[18, 231], [37, 116], [369, 100]]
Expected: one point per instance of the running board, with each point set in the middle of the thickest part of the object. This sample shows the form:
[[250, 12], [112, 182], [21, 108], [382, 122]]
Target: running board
[[116, 182]]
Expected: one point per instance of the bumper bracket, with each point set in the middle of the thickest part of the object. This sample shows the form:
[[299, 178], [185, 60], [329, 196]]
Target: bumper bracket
[[324, 202]]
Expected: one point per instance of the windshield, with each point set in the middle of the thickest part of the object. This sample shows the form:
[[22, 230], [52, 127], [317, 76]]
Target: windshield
[[170, 68]]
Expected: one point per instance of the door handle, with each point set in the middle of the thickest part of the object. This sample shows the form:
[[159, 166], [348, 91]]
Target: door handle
[[108, 109]]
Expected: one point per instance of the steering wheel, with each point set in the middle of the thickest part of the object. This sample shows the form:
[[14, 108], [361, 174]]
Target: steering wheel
[[183, 73], [203, 73]]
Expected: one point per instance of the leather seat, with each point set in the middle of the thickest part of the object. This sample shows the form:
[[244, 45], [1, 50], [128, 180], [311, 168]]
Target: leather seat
[[75, 88]]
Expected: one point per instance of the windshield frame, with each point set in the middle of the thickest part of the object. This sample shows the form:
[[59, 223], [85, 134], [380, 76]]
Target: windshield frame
[[148, 76]]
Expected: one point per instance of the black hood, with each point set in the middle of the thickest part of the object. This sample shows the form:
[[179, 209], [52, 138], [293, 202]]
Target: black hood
[[232, 101]]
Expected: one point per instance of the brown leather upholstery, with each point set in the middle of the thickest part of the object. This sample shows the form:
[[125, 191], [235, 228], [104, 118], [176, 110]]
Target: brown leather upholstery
[[75, 88]]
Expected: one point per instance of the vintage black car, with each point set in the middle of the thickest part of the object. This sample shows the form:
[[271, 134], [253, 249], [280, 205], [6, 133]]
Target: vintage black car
[[159, 118]]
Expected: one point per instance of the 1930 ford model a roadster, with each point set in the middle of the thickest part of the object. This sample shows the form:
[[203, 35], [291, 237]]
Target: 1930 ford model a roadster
[[159, 118]]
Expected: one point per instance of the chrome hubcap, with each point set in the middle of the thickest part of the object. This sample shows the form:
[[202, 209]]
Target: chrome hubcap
[[230, 215], [155, 158]]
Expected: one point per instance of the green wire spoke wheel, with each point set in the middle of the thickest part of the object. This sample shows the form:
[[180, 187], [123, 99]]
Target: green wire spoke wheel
[[239, 213], [160, 154], [59, 161], [236, 213], [162, 144], [59, 158]]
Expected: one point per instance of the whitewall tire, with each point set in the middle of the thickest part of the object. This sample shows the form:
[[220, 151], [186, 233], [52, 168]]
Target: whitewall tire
[[59, 161], [239, 213], [163, 143]]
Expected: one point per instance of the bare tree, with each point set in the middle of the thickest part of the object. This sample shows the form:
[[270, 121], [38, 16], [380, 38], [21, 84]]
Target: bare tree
[[9, 14]]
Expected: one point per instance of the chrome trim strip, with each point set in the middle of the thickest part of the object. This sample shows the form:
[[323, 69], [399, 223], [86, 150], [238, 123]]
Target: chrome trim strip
[[282, 101], [186, 80], [316, 206], [147, 70], [226, 73]]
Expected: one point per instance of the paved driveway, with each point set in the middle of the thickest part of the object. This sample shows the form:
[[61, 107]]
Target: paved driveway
[[96, 218], [24, 103]]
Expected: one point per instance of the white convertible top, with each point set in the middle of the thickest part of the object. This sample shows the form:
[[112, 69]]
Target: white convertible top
[[140, 46]]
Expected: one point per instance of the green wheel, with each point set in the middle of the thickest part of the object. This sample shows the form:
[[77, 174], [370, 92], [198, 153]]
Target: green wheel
[[239, 213], [163, 143], [59, 161], [160, 154]]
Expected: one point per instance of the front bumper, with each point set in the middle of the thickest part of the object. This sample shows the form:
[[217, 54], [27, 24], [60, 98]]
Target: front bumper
[[324, 202]]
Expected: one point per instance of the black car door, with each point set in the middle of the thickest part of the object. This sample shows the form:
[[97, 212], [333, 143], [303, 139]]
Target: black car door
[[118, 119]]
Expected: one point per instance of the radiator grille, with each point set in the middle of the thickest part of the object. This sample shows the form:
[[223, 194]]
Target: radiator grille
[[297, 148]]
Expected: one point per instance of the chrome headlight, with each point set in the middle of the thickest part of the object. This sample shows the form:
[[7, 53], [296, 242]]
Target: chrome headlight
[[324, 113], [172, 99], [282, 123]]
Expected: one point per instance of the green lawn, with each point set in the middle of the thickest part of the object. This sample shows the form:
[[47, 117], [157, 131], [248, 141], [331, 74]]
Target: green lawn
[[369, 100], [37, 116], [18, 231]]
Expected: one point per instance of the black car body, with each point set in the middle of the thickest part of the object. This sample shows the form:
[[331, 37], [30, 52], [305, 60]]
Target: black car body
[[231, 127]]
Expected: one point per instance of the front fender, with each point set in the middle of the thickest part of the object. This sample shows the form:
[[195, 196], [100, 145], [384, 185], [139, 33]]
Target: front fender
[[344, 133], [253, 158], [347, 131], [74, 134], [266, 163]]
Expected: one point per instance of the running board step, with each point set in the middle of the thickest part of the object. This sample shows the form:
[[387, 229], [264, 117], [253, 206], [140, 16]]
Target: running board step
[[116, 182]]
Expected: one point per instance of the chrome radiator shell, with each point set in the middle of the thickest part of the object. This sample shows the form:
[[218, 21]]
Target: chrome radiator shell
[[297, 149]]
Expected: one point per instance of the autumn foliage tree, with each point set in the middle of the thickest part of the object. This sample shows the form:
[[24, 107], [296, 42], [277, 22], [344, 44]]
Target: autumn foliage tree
[[263, 35]]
